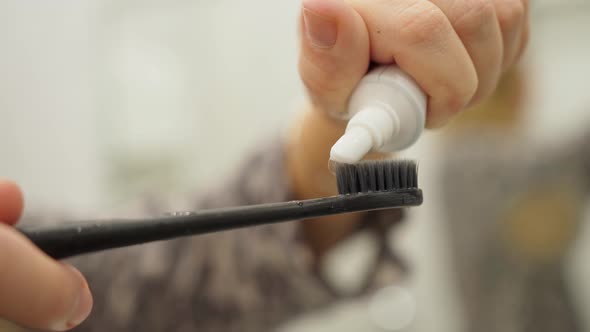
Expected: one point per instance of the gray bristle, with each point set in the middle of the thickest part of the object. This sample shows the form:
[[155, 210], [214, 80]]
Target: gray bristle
[[378, 175]]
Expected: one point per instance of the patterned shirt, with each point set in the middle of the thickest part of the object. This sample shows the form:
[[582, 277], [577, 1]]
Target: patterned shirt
[[252, 279]]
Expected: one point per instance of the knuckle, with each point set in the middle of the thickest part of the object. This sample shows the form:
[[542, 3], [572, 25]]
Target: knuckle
[[483, 92], [526, 36], [317, 77], [472, 15], [458, 96], [421, 24], [522, 48], [510, 13]]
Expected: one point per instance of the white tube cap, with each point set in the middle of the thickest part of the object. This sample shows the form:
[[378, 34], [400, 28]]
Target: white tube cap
[[368, 129], [387, 113], [352, 146]]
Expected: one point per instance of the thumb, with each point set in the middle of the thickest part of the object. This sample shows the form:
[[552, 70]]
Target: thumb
[[11, 202], [36, 291], [335, 52]]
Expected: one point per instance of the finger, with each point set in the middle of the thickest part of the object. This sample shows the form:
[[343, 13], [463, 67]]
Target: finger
[[524, 37], [11, 202], [511, 14], [36, 291], [476, 24], [417, 35], [334, 52]]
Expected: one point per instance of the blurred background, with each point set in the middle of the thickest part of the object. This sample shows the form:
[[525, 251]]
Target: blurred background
[[102, 101]]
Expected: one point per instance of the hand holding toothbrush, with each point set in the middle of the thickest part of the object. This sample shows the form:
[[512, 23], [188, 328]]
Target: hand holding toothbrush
[[35, 291]]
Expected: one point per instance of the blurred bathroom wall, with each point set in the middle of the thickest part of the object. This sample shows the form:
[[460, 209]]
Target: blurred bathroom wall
[[558, 67], [559, 108], [48, 134], [104, 100], [190, 86], [556, 109]]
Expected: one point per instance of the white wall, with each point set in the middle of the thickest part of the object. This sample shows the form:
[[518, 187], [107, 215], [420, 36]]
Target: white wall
[[180, 87], [47, 105], [196, 83]]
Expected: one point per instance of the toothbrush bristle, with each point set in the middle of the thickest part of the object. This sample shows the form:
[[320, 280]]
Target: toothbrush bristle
[[375, 176]]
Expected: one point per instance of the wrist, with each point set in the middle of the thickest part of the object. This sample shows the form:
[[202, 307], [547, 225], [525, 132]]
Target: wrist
[[309, 141]]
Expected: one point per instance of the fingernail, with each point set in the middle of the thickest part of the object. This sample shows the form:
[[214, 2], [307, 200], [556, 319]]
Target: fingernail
[[321, 31], [81, 309]]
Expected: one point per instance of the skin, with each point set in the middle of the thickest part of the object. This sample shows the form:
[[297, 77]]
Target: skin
[[455, 49], [37, 291]]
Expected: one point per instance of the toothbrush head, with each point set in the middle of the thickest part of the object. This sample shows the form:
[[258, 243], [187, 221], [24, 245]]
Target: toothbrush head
[[376, 176]]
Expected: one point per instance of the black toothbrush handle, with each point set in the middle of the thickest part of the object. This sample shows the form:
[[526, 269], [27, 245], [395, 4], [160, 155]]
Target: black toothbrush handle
[[74, 239]]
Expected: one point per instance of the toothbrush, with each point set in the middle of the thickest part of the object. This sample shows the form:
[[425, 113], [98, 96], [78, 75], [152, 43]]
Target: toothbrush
[[386, 112], [365, 186]]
